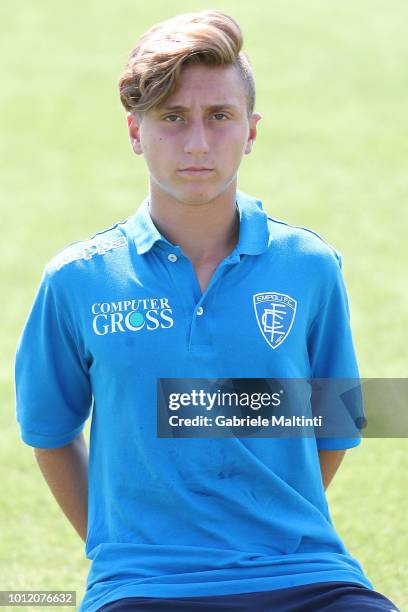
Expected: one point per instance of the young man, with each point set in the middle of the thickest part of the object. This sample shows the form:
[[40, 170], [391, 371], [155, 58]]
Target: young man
[[204, 523]]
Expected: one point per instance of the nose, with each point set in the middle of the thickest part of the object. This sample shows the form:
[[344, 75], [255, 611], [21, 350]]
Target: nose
[[196, 139]]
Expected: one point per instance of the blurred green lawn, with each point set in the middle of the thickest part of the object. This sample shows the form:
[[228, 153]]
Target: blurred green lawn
[[331, 154]]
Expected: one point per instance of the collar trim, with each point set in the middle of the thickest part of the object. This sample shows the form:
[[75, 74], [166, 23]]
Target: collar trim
[[253, 228]]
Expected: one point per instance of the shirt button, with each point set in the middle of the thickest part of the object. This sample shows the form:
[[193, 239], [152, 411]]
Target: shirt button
[[172, 257], [200, 310]]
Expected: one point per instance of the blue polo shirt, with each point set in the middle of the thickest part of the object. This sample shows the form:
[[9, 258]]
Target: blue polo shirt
[[189, 516]]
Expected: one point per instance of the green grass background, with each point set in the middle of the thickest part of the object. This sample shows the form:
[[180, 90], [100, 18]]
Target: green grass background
[[331, 154]]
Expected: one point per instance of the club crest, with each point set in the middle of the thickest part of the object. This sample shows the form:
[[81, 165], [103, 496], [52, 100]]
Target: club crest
[[275, 313]]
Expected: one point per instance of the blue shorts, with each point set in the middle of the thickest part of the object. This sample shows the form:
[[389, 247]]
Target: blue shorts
[[318, 597]]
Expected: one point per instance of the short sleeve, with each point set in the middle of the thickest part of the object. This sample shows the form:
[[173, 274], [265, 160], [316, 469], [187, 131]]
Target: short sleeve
[[52, 386], [331, 348]]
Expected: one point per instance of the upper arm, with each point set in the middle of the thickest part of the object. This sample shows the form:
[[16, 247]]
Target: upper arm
[[53, 391], [330, 461], [334, 366]]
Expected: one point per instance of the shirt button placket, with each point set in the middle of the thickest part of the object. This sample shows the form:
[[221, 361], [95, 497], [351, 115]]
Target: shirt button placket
[[199, 333]]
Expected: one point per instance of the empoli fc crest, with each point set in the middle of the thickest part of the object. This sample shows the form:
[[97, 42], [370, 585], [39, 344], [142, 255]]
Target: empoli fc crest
[[275, 313]]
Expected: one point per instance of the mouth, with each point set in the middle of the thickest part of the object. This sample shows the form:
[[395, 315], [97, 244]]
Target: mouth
[[195, 171]]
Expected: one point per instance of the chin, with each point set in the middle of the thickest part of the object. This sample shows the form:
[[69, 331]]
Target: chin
[[196, 196]]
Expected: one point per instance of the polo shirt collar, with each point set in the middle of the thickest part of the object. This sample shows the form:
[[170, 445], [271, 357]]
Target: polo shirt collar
[[253, 227]]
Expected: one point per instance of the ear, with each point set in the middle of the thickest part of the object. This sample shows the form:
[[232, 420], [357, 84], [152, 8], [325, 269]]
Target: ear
[[134, 122], [253, 120]]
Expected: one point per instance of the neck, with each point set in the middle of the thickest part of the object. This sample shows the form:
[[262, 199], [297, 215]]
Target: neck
[[205, 232]]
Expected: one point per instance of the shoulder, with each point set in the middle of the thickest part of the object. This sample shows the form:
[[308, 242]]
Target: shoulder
[[77, 255], [80, 264], [302, 244]]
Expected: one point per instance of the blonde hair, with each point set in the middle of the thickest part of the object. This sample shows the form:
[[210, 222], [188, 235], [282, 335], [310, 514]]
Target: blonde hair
[[154, 66]]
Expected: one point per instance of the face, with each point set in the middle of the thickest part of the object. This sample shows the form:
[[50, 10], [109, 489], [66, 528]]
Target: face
[[204, 124]]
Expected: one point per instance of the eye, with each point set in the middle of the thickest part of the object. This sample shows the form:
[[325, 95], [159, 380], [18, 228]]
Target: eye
[[169, 117], [220, 114]]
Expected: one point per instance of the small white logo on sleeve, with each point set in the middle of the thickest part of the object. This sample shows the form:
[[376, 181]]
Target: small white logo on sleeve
[[275, 313], [89, 250]]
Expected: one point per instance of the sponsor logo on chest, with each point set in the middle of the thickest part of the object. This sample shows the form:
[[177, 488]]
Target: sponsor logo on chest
[[131, 316]]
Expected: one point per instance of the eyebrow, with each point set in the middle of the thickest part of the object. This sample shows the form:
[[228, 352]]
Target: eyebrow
[[183, 109]]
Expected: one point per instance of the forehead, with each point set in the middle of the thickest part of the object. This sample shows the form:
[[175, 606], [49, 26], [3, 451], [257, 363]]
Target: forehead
[[209, 84]]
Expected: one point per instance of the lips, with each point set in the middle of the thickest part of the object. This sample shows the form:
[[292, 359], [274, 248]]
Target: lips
[[196, 171]]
